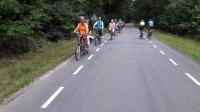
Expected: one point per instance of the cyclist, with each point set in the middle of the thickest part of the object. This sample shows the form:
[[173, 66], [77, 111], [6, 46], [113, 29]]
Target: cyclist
[[150, 27], [112, 26], [83, 29], [116, 27], [99, 26], [142, 25], [119, 25]]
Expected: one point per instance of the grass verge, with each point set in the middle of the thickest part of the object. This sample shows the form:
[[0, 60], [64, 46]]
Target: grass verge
[[182, 44], [18, 73]]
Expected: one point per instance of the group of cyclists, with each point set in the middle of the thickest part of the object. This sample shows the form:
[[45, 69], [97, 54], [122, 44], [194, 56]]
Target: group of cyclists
[[85, 37], [85, 31], [150, 26]]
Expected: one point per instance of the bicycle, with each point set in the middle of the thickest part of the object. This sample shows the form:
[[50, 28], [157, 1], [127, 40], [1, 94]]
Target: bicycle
[[141, 32], [112, 33], [149, 34], [81, 47], [119, 29], [98, 38]]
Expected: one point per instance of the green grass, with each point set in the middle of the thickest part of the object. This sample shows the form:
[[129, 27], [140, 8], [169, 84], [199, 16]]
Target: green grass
[[18, 73], [182, 44]]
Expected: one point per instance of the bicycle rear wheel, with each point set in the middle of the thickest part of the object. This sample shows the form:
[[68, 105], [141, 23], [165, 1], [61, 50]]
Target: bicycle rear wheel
[[111, 38], [97, 39]]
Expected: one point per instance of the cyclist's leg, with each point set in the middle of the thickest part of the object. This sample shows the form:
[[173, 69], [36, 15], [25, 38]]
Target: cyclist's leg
[[84, 39], [100, 33], [140, 30]]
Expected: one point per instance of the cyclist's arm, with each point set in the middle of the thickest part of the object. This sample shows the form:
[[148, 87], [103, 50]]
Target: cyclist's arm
[[76, 30], [95, 24], [109, 25]]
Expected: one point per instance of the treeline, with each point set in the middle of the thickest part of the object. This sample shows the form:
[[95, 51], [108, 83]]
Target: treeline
[[176, 16], [22, 22]]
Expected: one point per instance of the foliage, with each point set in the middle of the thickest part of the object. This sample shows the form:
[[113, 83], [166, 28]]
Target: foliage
[[176, 16]]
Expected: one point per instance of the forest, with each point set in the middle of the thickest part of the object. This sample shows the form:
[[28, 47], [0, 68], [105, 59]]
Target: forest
[[25, 23]]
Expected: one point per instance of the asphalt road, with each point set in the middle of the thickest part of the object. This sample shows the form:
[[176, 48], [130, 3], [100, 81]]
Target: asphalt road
[[126, 74]]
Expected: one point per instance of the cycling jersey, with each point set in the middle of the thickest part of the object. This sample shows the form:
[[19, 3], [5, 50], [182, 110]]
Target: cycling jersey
[[112, 25], [82, 28], [119, 23], [99, 25], [150, 23], [142, 24]]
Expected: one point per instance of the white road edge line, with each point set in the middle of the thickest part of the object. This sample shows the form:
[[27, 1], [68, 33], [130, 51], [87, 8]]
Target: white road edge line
[[193, 79], [171, 60], [78, 70], [155, 46], [162, 52], [46, 104], [97, 49], [90, 57]]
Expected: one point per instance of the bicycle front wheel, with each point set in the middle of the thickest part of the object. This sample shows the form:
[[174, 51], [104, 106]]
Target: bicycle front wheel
[[78, 52]]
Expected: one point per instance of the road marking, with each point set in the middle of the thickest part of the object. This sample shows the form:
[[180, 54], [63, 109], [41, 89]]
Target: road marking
[[150, 42], [105, 41], [171, 60], [102, 44], [162, 52], [155, 46], [193, 79], [46, 104], [97, 49], [90, 57], [78, 70]]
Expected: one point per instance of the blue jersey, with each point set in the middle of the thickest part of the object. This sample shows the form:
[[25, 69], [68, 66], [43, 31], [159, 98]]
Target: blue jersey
[[151, 23], [119, 23], [99, 25]]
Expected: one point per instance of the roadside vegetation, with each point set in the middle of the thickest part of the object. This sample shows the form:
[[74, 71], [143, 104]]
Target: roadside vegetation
[[180, 17], [20, 72], [182, 44]]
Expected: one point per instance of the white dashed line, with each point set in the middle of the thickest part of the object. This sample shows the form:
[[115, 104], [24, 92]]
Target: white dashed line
[[90, 57], [97, 49], [162, 52], [155, 46], [78, 70], [150, 42], [46, 104], [171, 60], [102, 44], [193, 79], [105, 41]]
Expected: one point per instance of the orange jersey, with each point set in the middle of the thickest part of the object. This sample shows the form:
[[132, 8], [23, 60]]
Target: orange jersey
[[82, 28]]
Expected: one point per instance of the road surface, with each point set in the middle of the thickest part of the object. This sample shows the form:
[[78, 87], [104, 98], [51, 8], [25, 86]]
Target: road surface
[[127, 74]]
